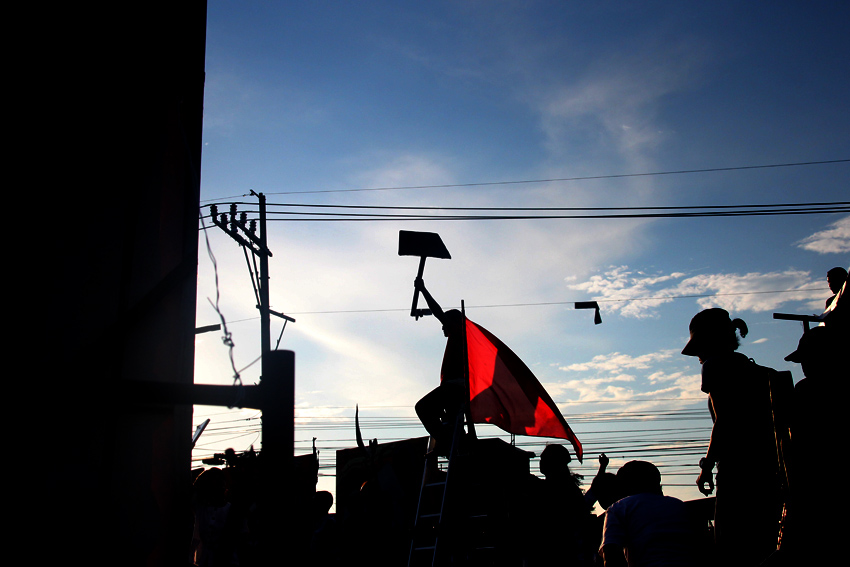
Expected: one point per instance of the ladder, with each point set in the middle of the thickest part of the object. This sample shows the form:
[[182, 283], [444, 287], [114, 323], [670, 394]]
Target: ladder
[[428, 543]]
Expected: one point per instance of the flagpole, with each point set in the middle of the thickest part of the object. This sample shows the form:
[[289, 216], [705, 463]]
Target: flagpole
[[467, 409]]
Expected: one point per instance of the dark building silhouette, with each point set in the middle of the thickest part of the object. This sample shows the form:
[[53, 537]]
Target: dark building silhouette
[[122, 96]]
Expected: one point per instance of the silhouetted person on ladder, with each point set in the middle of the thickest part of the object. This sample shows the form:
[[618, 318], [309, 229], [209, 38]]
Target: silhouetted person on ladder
[[440, 408]]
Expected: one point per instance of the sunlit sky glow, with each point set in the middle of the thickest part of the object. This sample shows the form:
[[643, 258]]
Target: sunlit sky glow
[[305, 98]]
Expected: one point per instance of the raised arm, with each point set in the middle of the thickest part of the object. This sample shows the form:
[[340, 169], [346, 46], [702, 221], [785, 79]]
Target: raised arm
[[603, 463], [435, 308]]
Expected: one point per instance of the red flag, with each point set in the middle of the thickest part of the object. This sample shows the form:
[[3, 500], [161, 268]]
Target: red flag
[[505, 393]]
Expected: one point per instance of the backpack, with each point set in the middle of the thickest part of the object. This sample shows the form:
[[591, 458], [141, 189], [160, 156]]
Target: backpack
[[781, 387]]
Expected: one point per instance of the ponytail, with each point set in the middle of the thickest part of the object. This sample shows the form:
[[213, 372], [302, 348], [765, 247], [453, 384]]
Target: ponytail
[[741, 326]]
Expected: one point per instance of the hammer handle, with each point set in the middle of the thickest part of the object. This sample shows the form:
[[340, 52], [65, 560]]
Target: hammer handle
[[413, 312]]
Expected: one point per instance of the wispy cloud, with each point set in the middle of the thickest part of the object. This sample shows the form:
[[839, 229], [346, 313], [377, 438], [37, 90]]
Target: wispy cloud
[[644, 380], [833, 240], [755, 289], [616, 362], [622, 284], [403, 170], [637, 293], [617, 99]]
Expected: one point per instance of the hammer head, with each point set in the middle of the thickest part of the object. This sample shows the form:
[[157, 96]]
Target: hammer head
[[422, 244]]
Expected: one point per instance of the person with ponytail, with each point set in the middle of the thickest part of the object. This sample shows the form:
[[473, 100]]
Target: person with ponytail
[[742, 443]]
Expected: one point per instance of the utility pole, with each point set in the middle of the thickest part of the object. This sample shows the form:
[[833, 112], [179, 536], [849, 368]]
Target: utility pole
[[244, 233], [264, 307], [277, 383]]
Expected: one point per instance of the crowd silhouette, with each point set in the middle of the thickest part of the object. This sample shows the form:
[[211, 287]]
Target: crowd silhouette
[[765, 508]]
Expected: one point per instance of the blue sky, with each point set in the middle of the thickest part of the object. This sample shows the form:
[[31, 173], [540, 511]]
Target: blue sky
[[306, 102]]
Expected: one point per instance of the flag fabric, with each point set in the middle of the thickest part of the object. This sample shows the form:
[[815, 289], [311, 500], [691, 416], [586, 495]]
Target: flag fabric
[[505, 393]]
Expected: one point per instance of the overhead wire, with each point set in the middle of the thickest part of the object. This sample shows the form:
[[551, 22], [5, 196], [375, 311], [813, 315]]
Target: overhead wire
[[658, 443], [638, 441], [631, 437], [556, 179], [227, 336], [367, 217], [632, 208], [645, 208], [549, 303], [685, 211]]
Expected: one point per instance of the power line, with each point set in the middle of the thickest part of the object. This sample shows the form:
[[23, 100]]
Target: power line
[[554, 179], [626, 400], [550, 180], [631, 436], [340, 217], [549, 303], [307, 216], [659, 445], [645, 208], [689, 211]]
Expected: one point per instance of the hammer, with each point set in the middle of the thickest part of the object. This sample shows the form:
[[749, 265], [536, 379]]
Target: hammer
[[424, 245]]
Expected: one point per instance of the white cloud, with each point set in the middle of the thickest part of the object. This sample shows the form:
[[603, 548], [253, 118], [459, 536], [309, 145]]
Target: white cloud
[[644, 381], [622, 284], [661, 376], [615, 362], [833, 240], [637, 294], [752, 291]]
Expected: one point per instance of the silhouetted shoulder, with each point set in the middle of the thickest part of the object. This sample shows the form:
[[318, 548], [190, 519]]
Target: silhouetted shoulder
[[718, 369]]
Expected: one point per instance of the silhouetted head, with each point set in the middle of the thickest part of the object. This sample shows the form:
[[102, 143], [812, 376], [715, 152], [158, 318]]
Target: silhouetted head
[[835, 278], [322, 502], [606, 488], [712, 331], [555, 461], [636, 477], [452, 322], [818, 353], [211, 487]]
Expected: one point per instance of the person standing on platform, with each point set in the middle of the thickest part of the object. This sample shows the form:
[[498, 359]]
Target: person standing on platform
[[742, 444]]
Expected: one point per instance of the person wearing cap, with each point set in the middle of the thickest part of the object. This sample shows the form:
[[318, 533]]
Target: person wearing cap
[[742, 442], [818, 406]]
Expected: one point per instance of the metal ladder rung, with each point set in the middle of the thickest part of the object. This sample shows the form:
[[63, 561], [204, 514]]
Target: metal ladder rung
[[443, 486]]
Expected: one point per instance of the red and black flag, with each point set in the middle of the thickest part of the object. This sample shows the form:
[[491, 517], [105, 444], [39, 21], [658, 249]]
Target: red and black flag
[[505, 393]]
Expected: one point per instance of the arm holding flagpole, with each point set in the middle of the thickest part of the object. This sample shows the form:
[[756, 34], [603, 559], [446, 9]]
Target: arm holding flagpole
[[500, 388]]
